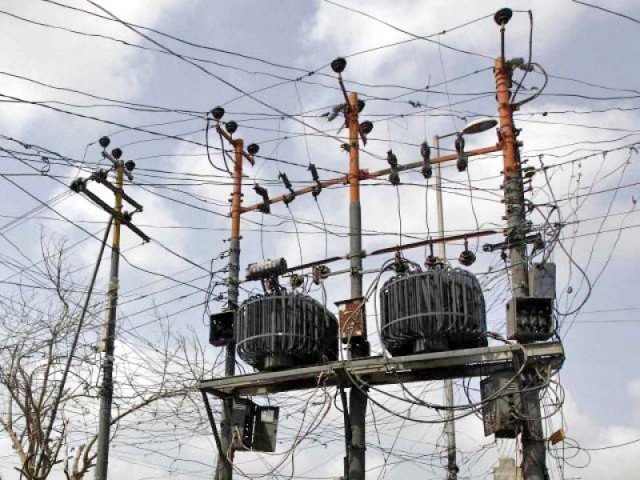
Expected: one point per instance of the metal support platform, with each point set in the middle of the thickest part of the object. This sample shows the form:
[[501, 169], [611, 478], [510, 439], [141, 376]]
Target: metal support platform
[[472, 362]]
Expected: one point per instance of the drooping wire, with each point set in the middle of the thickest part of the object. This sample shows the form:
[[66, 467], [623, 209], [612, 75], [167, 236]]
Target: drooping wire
[[206, 140], [519, 85]]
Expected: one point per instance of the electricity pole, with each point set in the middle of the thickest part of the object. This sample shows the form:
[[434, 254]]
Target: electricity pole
[[108, 341], [106, 391], [533, 445], [225, 465], [357, 395], [449, 426]]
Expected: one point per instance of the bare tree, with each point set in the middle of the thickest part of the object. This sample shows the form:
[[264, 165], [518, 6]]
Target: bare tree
[[37, 326]]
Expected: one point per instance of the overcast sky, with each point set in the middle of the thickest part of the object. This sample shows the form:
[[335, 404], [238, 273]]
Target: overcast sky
[[589, 106]]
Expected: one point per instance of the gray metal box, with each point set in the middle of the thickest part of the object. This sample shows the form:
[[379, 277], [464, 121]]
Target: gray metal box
[[500, 414], [242, 412], [266, 428], [254, 426], [542, 280], [530, 319]]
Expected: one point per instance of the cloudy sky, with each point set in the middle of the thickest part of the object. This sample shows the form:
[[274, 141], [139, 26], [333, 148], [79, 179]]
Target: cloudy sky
[[91, 77]]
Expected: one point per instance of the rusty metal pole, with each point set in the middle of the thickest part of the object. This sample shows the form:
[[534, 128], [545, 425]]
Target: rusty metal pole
[[225, 468], [513, 188], [359, 348], [533, 445]]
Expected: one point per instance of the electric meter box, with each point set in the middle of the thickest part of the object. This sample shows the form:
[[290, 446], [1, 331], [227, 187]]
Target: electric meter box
[[531, 319], [254, 426], [501, 405], [266, 428], [242, 418], [542, 280], [221, 328]]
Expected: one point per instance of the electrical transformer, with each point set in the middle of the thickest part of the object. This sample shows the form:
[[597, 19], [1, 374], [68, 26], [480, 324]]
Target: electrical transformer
[[500, 413], [435, 310], [280, 331]]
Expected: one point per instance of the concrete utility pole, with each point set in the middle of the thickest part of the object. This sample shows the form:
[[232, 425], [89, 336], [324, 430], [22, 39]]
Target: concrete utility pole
[[106, 391], [225, 465], [357, 397], [534, 461], [449, 426], [79, 185]]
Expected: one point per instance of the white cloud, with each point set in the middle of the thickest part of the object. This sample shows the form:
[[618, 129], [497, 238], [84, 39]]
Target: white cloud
[[61, 58]]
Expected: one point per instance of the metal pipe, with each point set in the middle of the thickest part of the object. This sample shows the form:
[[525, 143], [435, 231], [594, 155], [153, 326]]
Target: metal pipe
[[422, 243], [449, 426]]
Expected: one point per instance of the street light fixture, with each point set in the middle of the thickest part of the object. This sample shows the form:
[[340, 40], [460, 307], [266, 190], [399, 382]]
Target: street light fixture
[[478, 126]]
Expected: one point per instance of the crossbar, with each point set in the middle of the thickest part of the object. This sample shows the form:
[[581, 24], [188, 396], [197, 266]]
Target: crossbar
[[379, 370]]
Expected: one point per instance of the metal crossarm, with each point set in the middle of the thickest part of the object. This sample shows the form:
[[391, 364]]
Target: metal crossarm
[[472, 362]]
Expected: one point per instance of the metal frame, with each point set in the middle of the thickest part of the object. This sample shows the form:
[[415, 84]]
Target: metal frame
[[471, 362]]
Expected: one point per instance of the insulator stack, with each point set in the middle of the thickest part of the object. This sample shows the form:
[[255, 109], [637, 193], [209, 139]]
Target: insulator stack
[[274, 332], [435, 310]]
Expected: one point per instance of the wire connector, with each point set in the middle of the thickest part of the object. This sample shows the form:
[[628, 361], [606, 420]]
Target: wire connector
[[316, 178], [265, 207], [392, 160], [425, 153]]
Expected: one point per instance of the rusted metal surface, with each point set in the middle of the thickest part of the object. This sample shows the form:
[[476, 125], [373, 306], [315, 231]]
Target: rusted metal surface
[[367, 175], [351, 317], [236, 198]]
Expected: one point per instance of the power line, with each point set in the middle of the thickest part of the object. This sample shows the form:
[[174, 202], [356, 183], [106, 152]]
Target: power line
[[598, 7]]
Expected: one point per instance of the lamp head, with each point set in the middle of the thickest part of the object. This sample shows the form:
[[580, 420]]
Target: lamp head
[[478, 126]]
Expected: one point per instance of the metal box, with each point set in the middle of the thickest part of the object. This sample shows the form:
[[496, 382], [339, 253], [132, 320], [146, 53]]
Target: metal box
[[265, 428], [352, 317], [542, 280], [221, 328], [530, 319], [500, 414], [242, 415], [254, 427]]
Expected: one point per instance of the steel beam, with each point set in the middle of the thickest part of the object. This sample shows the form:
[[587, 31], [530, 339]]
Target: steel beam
[[472, 362]]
